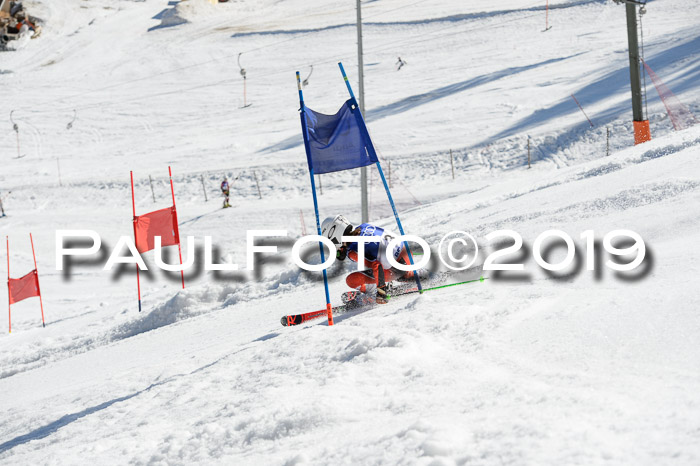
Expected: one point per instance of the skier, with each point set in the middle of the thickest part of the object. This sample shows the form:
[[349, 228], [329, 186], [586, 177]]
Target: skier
[[15, 8], [400, 64], [379, 272], [225, 191]]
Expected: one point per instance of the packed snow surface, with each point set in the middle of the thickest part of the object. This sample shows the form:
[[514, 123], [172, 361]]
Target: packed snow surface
[[573, 367]]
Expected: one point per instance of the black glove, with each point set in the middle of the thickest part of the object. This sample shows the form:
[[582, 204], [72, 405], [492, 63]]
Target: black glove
[[341, 254]]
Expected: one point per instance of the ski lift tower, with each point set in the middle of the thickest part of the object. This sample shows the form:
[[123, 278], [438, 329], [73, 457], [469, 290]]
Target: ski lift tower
[[641, 121], [360, 67]]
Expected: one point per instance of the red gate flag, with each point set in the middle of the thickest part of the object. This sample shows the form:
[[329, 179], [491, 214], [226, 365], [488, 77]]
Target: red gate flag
[[161, 223], [23, 288], [19, 289]]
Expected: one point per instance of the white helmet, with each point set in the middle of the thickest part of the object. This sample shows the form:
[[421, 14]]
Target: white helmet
[[334, 228]]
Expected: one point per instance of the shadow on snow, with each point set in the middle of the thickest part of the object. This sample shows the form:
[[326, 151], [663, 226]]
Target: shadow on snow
[[414, 101]]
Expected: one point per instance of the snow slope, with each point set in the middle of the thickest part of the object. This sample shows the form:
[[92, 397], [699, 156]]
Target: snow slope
[[588, 368]]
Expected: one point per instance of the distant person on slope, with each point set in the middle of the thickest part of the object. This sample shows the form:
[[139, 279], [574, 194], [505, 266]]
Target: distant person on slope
[[225, 191], [25, 25], [15, 7], [379, 272], [400, 64]]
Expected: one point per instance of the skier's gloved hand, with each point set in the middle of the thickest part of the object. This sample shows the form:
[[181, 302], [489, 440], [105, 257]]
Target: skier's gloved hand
[[341, 254]]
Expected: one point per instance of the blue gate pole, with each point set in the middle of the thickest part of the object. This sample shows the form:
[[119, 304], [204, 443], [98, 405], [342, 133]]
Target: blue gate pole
[[305, 132], [398, 222], [373, 153]]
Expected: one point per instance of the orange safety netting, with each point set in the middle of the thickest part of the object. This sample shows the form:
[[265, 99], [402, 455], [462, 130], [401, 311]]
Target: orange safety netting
[[680, 115]]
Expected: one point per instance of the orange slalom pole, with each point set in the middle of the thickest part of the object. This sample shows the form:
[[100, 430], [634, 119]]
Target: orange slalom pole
[[179, 248], [133, 207], [36, 271], [329, 312], [9, 295]]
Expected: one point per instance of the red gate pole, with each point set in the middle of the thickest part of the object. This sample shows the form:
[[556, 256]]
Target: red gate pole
[[133, 207], [303, 223], [36, 271], [9, 295], [582, 111], [179, 249]]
